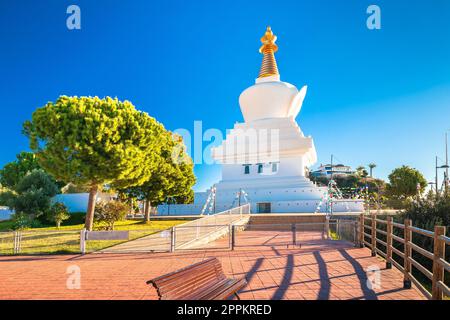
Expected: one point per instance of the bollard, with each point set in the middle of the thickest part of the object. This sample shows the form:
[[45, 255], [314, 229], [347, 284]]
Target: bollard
[[83, 241], [172, 239], [294, 234], [233, 237]]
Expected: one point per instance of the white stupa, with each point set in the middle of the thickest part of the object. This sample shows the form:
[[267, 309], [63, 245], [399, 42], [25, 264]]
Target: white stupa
[[265, 159]]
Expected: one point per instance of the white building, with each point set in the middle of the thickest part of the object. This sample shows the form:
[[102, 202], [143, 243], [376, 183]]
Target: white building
[[327, 170], [264, 159]]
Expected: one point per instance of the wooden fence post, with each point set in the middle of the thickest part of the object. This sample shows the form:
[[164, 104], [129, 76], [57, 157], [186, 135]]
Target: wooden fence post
[[374, 235], [407, 252], [438, 269], [389, 228], [361, 230]]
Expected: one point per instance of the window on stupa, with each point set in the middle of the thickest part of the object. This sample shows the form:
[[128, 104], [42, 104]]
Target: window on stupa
[[247, 169], [274, 167]]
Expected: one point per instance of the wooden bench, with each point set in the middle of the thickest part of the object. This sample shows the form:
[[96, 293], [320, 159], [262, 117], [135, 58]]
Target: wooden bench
[[204, 280]]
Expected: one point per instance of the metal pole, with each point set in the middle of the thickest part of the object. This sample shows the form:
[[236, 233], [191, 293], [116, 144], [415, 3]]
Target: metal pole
[[172, 239], [437, 185], [331, 194], [240, 190], [446, 163], [214, 210], [233, 236]]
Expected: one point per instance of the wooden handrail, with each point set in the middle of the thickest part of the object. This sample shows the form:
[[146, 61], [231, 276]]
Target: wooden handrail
[[427, 233], [398, 225], [440, 265], [445, 239]]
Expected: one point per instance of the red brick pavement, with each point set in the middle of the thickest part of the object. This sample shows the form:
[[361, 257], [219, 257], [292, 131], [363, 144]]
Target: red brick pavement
[[319, 269]]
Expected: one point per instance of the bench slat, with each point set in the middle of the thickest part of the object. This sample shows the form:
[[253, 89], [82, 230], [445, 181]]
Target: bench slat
[[196, 276], [193, 285], [204, 280]]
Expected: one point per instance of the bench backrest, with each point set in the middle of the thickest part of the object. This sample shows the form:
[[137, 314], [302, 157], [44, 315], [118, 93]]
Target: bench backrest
[[189, 280]]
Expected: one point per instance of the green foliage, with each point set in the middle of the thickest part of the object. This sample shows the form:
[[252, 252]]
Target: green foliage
[[88, 140], [75, 218], [7, 198], [72, 188], [14, 171], [57, 213], [38, 180], [403, 183], [108, 213], [91, 141], [361, 171], [426, 213], [22, 221], [32, 194], [173, 178]]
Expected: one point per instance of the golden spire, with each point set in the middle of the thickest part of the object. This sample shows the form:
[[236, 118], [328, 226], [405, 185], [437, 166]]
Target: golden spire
[[269, 64]]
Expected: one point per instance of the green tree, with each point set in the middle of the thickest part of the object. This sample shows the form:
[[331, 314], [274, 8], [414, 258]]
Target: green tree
[[32, 195], [108, 213], [371, 167], [173, 178], [403, 182], [91, 142], [57, 213], [13, 172]]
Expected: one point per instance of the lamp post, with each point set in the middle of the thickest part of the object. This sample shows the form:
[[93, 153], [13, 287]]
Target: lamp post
[[445, 166], [446, 163]]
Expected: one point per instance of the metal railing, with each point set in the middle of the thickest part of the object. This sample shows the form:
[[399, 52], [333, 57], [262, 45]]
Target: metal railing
[[294, 234], [207, 228], [39, 242], [439, 264]]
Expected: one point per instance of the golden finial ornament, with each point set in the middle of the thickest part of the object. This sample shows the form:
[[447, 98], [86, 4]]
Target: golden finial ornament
[[269, 64]]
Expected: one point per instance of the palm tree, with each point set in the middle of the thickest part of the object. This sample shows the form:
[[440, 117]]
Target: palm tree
[[371, 167]]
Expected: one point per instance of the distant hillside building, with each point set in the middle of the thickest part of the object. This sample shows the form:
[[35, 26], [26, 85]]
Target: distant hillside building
[[338, 170]]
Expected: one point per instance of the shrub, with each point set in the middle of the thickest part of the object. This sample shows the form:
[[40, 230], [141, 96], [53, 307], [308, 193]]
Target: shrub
[[108, 213], [23, 221], [57, 213]]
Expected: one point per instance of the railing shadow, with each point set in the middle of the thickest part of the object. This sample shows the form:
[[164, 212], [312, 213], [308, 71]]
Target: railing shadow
[[368, 293]]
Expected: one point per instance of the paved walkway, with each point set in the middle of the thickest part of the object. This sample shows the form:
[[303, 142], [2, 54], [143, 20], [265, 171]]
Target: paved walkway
[[319, 269]]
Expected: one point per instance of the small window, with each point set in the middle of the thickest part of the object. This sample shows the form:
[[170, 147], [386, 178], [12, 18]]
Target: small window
[[246, 169], [260, 168], [274, 167]]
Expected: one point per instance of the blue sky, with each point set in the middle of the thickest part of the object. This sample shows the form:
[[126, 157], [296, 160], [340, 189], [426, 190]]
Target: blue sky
[[378, 96]]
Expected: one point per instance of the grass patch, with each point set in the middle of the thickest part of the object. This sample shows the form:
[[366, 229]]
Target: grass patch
[[66, 239]]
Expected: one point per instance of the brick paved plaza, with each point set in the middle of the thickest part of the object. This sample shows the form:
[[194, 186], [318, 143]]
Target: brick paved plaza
[[319, 269]]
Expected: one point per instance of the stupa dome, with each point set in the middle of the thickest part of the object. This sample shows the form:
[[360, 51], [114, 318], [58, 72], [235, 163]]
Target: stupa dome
[[270, 97]]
